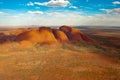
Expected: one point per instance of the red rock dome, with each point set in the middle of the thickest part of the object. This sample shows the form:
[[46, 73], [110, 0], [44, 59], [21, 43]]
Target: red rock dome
[[75, 34], [60, 35]]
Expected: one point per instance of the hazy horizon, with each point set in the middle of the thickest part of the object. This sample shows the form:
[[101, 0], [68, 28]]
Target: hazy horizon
[[60, 12]]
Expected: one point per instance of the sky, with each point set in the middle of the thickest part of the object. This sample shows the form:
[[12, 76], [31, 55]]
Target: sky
[[60, 12]]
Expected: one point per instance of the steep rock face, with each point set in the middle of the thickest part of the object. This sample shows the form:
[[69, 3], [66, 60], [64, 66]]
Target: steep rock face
[[43, 35], [1, 39], [47, 35], [75, 34], [60, 35], [6, 38], [1, 35]]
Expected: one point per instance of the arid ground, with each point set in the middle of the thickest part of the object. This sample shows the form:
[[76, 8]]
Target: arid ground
[[73, 61]]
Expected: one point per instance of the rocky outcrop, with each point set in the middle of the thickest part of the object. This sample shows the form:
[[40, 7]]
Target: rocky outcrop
[[75, 35], [43, 35], [46, 35], [60, 35]]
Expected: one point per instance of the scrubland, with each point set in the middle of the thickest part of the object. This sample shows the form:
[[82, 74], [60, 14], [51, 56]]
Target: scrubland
[[75, 61], [67, 62]]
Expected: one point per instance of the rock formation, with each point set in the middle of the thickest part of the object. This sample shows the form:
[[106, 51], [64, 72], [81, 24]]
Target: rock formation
[[46, 35], [60, 35], [43, 35], [75, 35]]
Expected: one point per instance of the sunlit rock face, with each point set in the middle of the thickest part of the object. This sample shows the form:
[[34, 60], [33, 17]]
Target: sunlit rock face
[[42, 35], [46, 35], [75, 35], [60, 35]]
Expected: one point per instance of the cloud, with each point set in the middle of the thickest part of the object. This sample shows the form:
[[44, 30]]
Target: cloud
[[104, 20], [112, 11], [106, 10], [116, 10], [51, 18], [15, 16], [74, 7], [35, 12], [1, 12], [30, 4], [54, 3], [116, 2], [48, 19]]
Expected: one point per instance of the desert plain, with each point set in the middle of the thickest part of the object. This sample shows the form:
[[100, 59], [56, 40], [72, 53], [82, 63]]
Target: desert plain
[[89, 60]]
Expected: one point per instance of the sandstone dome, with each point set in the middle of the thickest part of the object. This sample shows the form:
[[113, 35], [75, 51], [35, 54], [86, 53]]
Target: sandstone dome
[[75, 34], [42, 35], [60, 35], [46, 35]]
